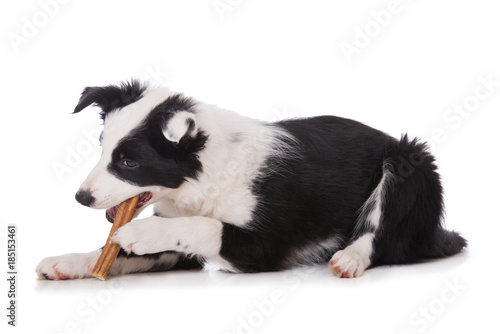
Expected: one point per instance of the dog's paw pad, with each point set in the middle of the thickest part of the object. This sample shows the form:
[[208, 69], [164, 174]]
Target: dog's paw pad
[[52, 273], [347, 264]]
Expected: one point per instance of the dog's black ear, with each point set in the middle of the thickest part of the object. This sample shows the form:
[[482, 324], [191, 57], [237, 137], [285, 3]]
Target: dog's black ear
[[111, 97], [175, 120], [173, 127]]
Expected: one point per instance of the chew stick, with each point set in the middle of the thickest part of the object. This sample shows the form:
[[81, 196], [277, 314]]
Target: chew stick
[[110, 251]]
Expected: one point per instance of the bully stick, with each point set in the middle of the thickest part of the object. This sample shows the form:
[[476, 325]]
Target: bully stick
[[110, 250]]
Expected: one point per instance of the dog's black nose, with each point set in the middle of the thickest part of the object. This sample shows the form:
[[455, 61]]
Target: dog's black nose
[[84, 197]]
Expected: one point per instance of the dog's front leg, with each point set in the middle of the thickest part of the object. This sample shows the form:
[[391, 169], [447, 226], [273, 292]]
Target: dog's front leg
[[189, 235]]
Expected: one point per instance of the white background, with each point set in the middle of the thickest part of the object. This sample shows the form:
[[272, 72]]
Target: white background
[[269, 60]]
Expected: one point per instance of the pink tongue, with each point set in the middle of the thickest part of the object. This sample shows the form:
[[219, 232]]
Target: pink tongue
[[111, 213]]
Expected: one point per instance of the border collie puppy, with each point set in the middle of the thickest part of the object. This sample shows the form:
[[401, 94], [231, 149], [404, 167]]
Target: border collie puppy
[[249, 196]]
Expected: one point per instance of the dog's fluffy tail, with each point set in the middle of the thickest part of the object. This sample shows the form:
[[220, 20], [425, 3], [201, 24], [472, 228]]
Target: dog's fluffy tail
[[413, 210], [445, 243]]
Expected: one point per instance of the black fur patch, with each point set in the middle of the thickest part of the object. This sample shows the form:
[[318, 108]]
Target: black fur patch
[[161, 162]]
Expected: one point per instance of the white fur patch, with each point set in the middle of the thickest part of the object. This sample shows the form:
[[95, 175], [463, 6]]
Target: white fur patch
[[371, 212], [376, 213]]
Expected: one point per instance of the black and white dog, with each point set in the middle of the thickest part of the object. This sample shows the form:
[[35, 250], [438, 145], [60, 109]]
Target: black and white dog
[[248, 196]]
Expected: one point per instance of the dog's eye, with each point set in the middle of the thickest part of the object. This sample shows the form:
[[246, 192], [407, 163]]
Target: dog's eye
[[129, 163]]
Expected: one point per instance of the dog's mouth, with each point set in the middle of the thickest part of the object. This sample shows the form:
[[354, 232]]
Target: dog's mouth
[[143, 200]]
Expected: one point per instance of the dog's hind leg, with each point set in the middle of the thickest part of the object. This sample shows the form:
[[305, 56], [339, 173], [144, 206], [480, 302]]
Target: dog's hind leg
[[79, 265], [355, 258], [401, 222]]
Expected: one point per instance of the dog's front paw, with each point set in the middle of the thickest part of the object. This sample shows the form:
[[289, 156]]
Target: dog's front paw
[[347, 264], [68, 266], [139, 237]]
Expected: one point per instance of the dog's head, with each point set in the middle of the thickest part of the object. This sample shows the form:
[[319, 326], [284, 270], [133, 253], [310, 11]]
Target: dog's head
[[150, 142]]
